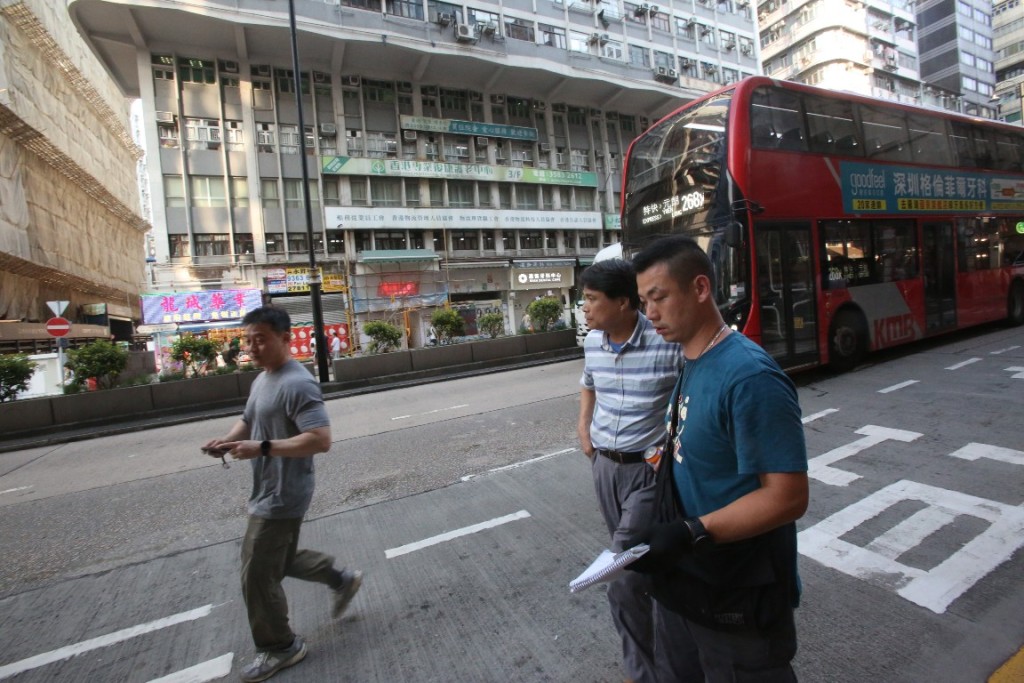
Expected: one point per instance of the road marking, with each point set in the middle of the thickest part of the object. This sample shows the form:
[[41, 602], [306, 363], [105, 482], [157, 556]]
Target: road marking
[[897, 387], [973, 451], [20, 488], [964, 363], [1010, 672], [1008, 348], [70, 651], [449, 535], [1019, 371], [820, 467], [876, 563], [430, 412], [520, 464], [823, 413], [201, 673]]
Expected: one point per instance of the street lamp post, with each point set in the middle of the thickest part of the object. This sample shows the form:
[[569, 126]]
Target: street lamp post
[[315, 281]]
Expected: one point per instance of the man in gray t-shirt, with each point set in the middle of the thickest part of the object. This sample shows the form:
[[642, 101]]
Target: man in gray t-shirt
[[283, 426]]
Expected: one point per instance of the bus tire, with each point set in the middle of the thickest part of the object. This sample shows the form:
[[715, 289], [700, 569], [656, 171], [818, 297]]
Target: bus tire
[[1015, 304], [847, 341]]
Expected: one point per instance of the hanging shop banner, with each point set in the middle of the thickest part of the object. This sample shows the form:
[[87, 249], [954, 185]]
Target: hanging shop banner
[[492, 130], [203, 306], [410, 168], [355, 218], [296, 281]]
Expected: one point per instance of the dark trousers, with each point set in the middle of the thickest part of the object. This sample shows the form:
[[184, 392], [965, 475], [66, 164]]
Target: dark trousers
[[751, 657], [269, 553]]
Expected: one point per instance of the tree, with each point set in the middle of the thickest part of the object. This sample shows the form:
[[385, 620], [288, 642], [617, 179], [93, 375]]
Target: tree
[[544, 313], [15, 372], [100, 359], [193, 352], [384, 336], [448, 324], [491, 324]]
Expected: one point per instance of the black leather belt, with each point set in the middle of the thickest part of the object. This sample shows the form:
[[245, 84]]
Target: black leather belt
[[623, 457]]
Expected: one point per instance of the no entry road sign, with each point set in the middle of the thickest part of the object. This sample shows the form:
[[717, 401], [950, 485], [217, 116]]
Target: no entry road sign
[[58, 327]]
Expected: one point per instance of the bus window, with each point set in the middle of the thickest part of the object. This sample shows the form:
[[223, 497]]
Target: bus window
[[1013, 241], [960, 134], [1007, 153], [885, 134], [929, 141], [984, 148], [777, 111], [847, 254], [831, 128], [979, 244], [895, 250]]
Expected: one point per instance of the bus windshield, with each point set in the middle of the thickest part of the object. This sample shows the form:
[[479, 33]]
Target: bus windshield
[[675, 171]]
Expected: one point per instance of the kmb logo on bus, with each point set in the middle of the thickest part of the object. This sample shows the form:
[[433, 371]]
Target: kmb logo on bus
[[898, 328]]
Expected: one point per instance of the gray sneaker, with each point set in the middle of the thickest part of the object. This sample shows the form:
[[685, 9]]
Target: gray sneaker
[[268, 663], [340, 597]]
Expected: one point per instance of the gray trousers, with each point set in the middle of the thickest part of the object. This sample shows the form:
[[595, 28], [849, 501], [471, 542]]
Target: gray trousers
[[651, 649], [269, 553]]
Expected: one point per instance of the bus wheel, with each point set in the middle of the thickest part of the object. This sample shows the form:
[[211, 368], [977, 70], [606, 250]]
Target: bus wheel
[[1015, 304], [847, 341]]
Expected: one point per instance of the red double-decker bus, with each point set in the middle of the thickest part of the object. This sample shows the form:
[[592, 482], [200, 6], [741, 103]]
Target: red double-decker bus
[[837, 224]]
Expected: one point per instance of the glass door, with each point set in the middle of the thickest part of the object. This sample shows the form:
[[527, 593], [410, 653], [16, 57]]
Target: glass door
[[786, 290]]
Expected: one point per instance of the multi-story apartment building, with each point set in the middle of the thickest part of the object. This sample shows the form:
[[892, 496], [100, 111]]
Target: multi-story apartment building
[[70, 229], [1008, 39], [955, 41], [463, 151]]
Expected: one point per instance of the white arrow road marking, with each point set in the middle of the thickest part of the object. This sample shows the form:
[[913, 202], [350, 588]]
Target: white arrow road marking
[[524, 462], [1008, 348], [449, 535], [818, 415], [430, 412], [201, 673], [963, 363], [820, 466], [897, 387], [973, 451], [1019, 371], [70, 651]]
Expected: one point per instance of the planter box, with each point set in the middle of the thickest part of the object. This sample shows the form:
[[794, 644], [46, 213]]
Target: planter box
[[441, 356], [106, 404], [495, 349], [194, 391], [550, 341], [29, 413], [371, 367]]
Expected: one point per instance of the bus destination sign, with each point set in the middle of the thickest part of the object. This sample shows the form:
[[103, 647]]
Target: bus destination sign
[[870, 188], [672, 207]]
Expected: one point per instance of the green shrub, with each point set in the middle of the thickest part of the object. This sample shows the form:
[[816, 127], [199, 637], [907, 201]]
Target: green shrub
[[448, 324], [100, 359], [383, 335], [195, 353], [491, 324], [544, 313], [15, 372], [171, 375]]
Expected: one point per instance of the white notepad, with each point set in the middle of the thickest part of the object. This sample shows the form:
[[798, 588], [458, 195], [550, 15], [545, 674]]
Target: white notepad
[[607, 566]]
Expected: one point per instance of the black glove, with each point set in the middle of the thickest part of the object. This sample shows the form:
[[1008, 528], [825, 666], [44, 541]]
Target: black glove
[[668, 543]]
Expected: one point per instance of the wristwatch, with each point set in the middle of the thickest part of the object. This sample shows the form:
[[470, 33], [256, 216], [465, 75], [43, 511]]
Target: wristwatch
[[701, 537], [265, 449]]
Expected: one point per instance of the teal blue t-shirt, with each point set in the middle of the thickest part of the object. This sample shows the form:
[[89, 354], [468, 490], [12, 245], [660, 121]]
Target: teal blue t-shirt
[[738, 417]]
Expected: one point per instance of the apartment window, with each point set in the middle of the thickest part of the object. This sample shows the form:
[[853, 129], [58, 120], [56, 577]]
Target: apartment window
[[360, 196], [488, 240], [639, 56], [508, 240], [244, 243], [405, 8], [335, 241], [290, 139], [174, 191], [168, 133], [412, 192], [552, 36], [364, 240], [266, 138], [293, 198], [526, 196], [212, 245], [504, 196], [389, 239], [588, 240], [519, 29], [233, 135], [239, 193], [686, 28], [297, 242], [634, 13], [584, 199], [613, 50], [331, 195], [531, 239], [416, 239], [707, 36], [274, 242], [207, 191], [180, 246], [461, 193], [200, 71], [436, 192], [465, 240], [386, 191], [661, 22]]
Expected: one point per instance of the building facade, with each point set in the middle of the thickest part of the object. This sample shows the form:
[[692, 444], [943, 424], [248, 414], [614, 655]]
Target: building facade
[[956, 51], [468, 153], [1008, 42], [70, 228]]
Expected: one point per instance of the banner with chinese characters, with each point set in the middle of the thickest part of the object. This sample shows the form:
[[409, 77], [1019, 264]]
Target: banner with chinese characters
[[203, 306], [411, 168], [296, 281], [871, 188], [491, 130]]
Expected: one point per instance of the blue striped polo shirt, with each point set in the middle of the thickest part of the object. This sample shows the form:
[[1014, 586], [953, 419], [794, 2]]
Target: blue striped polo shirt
[[632, 387]]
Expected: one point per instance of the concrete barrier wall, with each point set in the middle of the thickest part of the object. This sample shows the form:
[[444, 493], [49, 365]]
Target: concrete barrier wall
[[496, 349], [95, 405], [194, 391], [441, 356], [28, 414]]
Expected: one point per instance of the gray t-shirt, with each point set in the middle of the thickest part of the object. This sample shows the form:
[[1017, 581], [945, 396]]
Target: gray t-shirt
[[282, 404]]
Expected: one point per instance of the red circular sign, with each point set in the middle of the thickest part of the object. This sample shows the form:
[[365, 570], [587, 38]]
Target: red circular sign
[[58, 327]]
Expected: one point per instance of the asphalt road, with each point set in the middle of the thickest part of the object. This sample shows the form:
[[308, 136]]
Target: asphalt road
[[470, 509]]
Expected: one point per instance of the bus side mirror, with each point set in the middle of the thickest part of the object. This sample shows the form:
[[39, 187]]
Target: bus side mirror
[[734, 235]]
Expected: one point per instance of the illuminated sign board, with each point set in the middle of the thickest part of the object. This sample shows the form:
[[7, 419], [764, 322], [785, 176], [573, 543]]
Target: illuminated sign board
[[204, 306], [672, 207]]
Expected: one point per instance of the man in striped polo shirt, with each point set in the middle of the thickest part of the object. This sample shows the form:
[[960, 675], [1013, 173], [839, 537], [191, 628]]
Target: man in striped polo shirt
[[628, 376]]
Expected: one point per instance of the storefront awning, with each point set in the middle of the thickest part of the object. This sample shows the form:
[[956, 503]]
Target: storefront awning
[[397, 255]]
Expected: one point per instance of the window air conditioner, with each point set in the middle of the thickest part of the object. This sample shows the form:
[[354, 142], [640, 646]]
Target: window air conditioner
[[497, 99], [328, 129], [465, 33], [229, 66], [321, 77], [408, 135], [445, 19], [352, 80], [165, 117], [262, 70], [430, 90], [545, 147], [482, 142]]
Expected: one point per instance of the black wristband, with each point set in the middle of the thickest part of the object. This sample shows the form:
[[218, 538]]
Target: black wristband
[[265, 447]]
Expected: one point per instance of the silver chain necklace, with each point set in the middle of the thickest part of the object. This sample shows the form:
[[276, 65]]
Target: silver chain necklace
[[713, 340]]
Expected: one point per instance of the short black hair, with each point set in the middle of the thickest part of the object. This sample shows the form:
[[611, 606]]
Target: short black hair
[[277, 318], [613, 278], [684, 257]]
